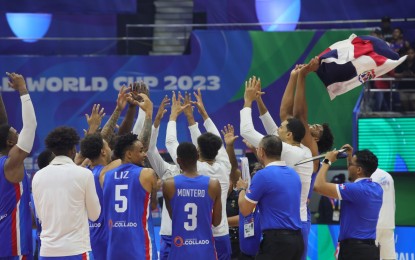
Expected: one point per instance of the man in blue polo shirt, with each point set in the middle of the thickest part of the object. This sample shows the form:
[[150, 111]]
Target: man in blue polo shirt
[[361, 203], [277, 190]]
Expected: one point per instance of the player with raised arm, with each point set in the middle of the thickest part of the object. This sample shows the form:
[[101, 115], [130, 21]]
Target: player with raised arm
[[15, 214]]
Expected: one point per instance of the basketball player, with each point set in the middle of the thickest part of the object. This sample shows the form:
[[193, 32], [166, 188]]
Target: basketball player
[[190, 199], [97, 150], [126, 191], [15, 216]]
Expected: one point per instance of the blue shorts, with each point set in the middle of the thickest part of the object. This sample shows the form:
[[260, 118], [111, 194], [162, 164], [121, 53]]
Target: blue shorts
[[165, 245], [305, 230], [84, 256], [223, 247]]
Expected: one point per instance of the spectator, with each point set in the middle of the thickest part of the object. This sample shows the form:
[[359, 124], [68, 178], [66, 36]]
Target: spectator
[[386, 28], [407, 70], [398, 43]]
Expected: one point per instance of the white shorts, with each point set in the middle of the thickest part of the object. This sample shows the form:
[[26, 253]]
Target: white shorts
[[386, 240]]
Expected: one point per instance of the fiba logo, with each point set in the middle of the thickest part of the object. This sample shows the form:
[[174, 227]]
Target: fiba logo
[[178, 241], [367, 75], [110, 223]]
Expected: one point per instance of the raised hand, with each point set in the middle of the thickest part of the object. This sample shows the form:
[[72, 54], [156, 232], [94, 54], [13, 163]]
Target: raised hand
[[313, 65], [229, 136], [188, 111], [146, 105], [94, 120], [199, 104], [122, 98], [142, 88], [161, 111], [17, 82], [176, 107], [252, 90]]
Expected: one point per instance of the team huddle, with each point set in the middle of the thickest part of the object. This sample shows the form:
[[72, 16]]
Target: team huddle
[[96, 203]]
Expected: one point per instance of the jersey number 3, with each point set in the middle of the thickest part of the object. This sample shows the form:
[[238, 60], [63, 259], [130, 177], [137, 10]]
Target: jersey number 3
[[191, 208]]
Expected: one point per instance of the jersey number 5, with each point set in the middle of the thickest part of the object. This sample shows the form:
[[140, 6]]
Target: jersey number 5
[[120, 200]]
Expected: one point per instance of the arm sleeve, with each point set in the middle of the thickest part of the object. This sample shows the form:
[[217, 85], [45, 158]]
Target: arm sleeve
[[93, 207], [256, 190], [348, 191], [27, 135], [139, 123], [222, 156], [171, 140], [194, 133], [269, 124], [154, 157], [247, 127]]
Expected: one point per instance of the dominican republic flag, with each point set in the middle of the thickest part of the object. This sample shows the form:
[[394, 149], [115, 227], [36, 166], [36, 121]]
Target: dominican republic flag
[[350, 63]]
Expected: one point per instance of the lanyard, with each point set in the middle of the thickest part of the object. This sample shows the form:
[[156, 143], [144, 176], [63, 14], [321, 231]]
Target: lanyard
[[335, 203]]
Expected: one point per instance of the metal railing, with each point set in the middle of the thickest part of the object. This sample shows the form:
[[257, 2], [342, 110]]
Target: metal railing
[[394, 92]]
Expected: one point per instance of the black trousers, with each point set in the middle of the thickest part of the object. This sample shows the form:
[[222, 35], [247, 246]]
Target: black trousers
[[356, 249], [281, 244]]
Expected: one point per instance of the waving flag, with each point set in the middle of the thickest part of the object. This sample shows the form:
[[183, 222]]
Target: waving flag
[[348, 64]]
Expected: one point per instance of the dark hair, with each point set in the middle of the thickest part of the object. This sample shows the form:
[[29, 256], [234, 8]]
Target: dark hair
[[272, 146], [296, 127], [4, 135], [367, 160], [124, 143], [187, 152], [339, 178], [326, 140], [91, 146], [61, 140], [44, 158], [209, 145]]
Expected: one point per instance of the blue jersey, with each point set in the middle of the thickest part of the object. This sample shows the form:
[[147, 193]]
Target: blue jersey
[[192, 219], [277, 190], [15, 216], [250, 245], [98, 231], [127, 212], [361, 203]]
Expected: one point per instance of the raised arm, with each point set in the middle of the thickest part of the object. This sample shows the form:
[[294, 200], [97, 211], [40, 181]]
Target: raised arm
[[147, 106], [171, 133], [139, 123], [94, 120], [267, 121], [14, 166], [109, 127], [153, 155], [229, 136], [247, 126], [301, 108], [322, 186], [287, 102]]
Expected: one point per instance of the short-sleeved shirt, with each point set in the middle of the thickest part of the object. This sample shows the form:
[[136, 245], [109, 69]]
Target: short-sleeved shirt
[[277, 190], [361, 203]]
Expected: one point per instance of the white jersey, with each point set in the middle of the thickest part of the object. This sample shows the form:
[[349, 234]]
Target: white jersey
[[387, 211], [290, 154]]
